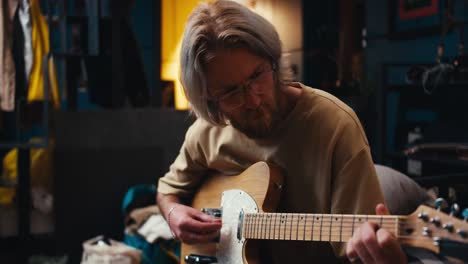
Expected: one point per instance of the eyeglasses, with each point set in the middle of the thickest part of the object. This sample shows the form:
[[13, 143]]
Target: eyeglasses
[[235, 97]]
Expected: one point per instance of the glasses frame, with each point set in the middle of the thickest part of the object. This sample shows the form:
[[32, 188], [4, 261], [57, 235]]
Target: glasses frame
[[243, 88]]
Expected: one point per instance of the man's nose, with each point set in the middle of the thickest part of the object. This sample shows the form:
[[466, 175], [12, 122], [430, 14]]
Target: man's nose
[[252, 99]]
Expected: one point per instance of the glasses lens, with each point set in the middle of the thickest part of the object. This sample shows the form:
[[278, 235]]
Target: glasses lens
[[234, 99], [256, 85]]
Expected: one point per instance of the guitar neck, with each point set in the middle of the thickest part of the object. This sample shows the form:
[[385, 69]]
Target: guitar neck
[[311, 227]]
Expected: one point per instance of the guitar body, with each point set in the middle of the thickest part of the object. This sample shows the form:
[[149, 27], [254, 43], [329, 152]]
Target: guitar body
[[263, 183], [247, 203]]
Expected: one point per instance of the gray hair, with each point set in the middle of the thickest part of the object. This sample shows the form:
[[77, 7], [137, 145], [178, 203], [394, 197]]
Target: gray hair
[[222, 25]]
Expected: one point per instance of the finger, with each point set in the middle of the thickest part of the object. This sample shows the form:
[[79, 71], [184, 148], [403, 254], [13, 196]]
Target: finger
[[195, 238], [195, 226], [390, 246], [369, 239], [350, 251], [381, 209], [359, 244]]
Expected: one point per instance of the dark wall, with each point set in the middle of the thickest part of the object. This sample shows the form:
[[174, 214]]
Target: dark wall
[[98, 156], [384, 48]]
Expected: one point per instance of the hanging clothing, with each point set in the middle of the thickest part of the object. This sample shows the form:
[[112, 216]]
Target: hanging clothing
[[127, 74], [7, 64], [25, 20], [40, 47], [18, 58]]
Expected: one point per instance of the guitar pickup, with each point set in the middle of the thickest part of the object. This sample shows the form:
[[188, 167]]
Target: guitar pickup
[[199, 259], [216, 212]]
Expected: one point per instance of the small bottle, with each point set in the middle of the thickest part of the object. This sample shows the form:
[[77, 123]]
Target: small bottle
[[414, 167]]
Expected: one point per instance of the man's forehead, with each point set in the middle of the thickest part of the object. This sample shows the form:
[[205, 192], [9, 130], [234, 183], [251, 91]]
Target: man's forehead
[[227, 70]]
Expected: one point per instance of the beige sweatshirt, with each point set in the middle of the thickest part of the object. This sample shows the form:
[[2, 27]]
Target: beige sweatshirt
[[322, 147]]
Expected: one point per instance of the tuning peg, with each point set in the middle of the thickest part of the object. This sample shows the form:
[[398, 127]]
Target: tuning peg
[[423, 216], [435, 220], [440, 203], [454, 209], [462, 232], [465, 214], [448, 226]]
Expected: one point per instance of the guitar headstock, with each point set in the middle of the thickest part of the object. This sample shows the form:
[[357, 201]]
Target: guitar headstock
[[433, 229]]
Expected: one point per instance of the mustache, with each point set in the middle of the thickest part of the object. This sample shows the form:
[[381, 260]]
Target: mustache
[[252, 113]]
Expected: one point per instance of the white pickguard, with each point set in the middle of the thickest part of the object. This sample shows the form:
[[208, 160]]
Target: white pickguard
[[229, 248]]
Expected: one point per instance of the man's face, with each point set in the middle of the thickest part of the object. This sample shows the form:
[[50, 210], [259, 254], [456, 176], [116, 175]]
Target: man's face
[[242, 87]]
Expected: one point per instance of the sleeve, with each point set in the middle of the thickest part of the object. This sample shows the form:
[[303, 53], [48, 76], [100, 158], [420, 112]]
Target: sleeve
[[186, 172], [355, 186]]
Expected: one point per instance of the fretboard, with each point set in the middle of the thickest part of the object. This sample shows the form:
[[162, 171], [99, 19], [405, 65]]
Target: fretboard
[[311, 227]]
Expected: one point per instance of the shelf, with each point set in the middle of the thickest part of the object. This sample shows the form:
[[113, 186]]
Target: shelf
[[463, 86], [10, 145], [73, 19], [453, 178], [430, 157], [7, 184]]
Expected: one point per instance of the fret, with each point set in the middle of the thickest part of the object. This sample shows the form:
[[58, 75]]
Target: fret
[[305, 224], [274, 229], [252, 219], [269, 230], [330, 230], [352, 231], [312, 230], [251, 226], [254, 225], [279, 226], [297, 227], [290, 227], [246, 225], [341, 229], [285, 221], [257, 226], [264, 224], [397, 227], [260, 226], [321, 225], [259, 230]]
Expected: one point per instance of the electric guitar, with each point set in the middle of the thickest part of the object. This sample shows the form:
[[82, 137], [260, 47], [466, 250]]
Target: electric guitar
[[245, 203]]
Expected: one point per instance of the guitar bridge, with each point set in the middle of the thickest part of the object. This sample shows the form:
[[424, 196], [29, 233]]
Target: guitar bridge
[[199, 259]]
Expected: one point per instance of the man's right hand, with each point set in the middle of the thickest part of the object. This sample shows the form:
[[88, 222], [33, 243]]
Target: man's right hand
[[192, 226]]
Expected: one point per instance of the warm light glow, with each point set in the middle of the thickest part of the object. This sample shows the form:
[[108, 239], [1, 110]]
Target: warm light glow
[[174, 15], [284, 15], [170, 71]]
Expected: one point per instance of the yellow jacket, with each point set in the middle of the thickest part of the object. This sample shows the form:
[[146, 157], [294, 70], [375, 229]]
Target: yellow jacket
[[40, 45]]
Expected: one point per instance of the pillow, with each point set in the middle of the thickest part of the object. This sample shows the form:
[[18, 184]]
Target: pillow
[[402, 195]]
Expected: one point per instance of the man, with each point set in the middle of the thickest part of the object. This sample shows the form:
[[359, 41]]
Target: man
[[249, 110]]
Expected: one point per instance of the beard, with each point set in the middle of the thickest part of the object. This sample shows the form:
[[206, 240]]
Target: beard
[[258, 123]]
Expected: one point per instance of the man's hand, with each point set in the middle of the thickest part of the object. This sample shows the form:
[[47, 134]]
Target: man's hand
[[372, 244], [192, 226]]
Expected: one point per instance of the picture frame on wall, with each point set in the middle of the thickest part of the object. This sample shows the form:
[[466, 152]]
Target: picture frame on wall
[[410, 19]]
